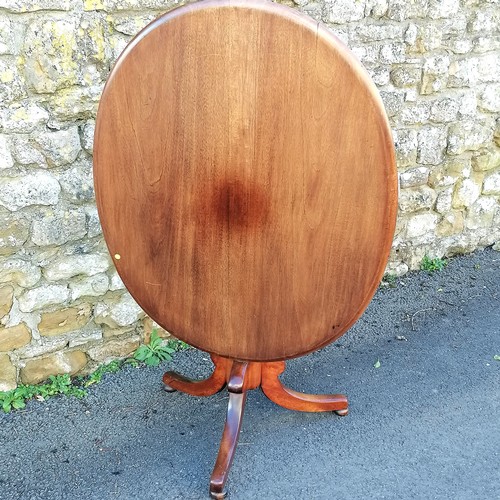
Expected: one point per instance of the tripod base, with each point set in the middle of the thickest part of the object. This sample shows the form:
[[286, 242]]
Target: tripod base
[[240, 377]]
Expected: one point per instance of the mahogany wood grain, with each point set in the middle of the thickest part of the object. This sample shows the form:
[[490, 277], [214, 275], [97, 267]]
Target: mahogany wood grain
[[241, 377], [236, 406], [245, 179], [293, 400], [208, 387]]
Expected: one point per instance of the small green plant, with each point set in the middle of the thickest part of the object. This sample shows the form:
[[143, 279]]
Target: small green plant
[[154, 353], [151, 354], [57, 384], [389, 280], [96, 377], [431, 265]]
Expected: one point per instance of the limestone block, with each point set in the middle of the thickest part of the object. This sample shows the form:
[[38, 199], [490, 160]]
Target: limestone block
[[93, 286], [468, 104], [77, 182], [27, 152], [12, 85], [393, 101], [405, 142], [8, 375], [6, 298], [75, 103], [485, 20], [7, 41], [14, 337], [461, 243], [421, 224], [20, 272], [43, 296], [6, 160], [72, 265], [486, 43], [481, 213], [400, 10], [414, 177], [48, 346], [439, 9], [455, 25], [376, 8], [416, 113], [108, 332], [444, 200], [88, 136], [413, 199], [489, 99], [113, 349], [121, 312], [115, 282], [344, 11], [449, 172], [88, 334], [93, 224], [380, 75], [405, 76], [445, 110], [19, 6], [492, 184], [489, 67], [451, 223], [466, 193], [13, 234], [431, 145], [378, 32], [393, 53], [37, 188], [468, 136], [64, 320], [22, 117], [463, 72], [423, 38], [51, 53], [461, 46], [396, 268], [38, 370], [56, 227], [486, 159], [435, 74], [60, 147]]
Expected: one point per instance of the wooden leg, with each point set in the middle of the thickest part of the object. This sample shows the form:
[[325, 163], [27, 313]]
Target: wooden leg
[[213, 384], [236, 406], [293, 400]]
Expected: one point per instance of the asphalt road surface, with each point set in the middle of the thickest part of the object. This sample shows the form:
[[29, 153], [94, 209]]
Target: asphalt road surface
[[425, 424]]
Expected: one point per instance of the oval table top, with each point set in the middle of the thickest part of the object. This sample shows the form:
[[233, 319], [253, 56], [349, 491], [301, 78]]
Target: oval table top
[[245, 179]]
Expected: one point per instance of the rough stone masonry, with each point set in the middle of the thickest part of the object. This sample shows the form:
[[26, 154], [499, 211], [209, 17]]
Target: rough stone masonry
[[63, 308]]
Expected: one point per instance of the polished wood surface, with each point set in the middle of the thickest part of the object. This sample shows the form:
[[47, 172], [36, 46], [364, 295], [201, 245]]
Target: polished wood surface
[[240, 377], [245, 179]]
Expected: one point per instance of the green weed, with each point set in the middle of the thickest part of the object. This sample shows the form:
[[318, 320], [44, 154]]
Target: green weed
[[431, 265], [155, 352]]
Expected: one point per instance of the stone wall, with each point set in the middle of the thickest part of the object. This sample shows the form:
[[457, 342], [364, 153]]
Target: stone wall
[[63, 309]]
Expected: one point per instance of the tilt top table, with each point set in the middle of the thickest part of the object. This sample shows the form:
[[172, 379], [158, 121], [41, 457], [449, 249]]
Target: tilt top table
[[246, 185]]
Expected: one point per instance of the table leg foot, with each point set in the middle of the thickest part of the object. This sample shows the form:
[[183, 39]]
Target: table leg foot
[[236, 406], [213, 384], [293, 400]]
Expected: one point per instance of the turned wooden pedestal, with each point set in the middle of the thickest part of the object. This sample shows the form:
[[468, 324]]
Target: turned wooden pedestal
[[240, 377], [246, 185]]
